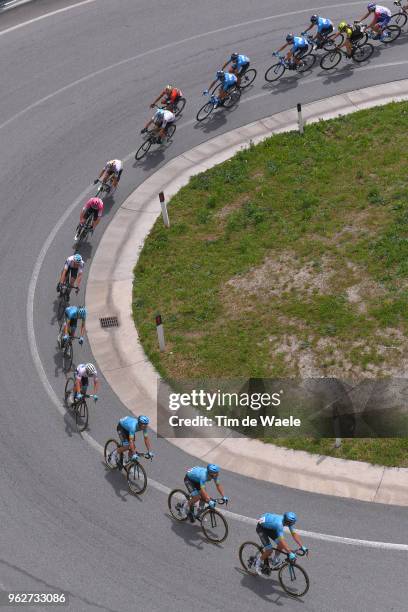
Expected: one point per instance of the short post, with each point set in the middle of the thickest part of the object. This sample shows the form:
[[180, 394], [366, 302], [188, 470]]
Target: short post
[[160, 333], [337, 443], [300, 118], [165, 214]]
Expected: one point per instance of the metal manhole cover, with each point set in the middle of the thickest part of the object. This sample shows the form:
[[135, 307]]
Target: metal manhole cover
[[109, 322]]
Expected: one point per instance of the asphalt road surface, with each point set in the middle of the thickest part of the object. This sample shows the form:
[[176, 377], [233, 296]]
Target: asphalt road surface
[[75, 91]]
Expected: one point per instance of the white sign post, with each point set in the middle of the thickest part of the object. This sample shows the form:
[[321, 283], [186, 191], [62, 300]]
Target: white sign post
[[165, 214], [160, 332], [300, 118]]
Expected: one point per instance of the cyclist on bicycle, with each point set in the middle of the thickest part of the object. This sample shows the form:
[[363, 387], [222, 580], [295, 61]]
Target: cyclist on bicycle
[[239, 65], [83, 373], [324, 28], [272, 526], [127, 428], [172, 95], [351, 33], [72, 272], [228, 82], [299, 47], [195, 481], [381, 17], [161, 120], [112, 171], [93, 207], [72, 314]]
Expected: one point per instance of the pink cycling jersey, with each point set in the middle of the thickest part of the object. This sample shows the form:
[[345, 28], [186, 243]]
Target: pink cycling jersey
[[94, 204], [381, 11]]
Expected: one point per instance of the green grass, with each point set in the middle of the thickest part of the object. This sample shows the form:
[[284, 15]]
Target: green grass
[[294, 252]]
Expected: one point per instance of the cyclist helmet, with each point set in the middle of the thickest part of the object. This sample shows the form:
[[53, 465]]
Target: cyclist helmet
[[90, 369], [220, 74], [290, 38], [82, 313], [314, 18], [289, 518], [213, 469], [371, 6], [169, 89], [77, 258], [234, 57], [342, 26], [159, 114], [143, 420], [95, 202]]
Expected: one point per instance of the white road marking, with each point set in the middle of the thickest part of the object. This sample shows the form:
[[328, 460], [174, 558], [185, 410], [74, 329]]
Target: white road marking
[[41, 17]]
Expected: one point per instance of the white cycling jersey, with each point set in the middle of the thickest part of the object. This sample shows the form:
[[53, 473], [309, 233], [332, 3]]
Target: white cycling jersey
[[115, 166], [71, 263], [80, 372], [168, 117]]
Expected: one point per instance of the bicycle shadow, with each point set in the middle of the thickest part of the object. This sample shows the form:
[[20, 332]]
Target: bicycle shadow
[[188, 532], [54, 318], [214, 122], [118, 482], [267, 589], [152, 159], [85, 250], [285, 84]]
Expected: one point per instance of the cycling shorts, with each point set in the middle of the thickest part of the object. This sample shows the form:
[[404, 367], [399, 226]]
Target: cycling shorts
[[266, 535], [123, 434], [299, 51], [242, 69], [91, 211], [72, 273], [383, 20], [72, 323], [228, 86], [326, 31], [84, 384], [192, 487]]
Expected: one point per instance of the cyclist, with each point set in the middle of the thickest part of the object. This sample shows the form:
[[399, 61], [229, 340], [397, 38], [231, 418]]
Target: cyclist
[[72, 272], [82, 374], [127, 428], [239, 65], [161, 120], [381, 17], [93, 207], [195, 481], [271, 526], [351, 33], [171, 97], [299, 46], [324, 28], [228, 82], [112, 171], [72, 314]]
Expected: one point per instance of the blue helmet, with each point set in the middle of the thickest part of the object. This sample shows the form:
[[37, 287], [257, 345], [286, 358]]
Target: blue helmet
[[143, 420], [82, 312], [220, 74], [213, 469], [290, 38], [371, 6], [289, 518], [77, 258], [314, 18]]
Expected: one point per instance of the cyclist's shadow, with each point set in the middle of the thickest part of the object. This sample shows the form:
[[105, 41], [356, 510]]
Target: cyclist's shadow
[[268, 590], [215, 121], [119, 484], [191, 533], [151, 160]]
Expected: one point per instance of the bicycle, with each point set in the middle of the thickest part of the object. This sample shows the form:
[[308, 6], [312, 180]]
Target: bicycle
[[325, 42], [292, 577], [64, 297], [135, 473], [83, 229], [231, 99], [66, 348], [401, 17], [152, 138], [388, 34], [213, 524], [276, 71], [177, 107], [79, 407], [359, 53], [103, 188]]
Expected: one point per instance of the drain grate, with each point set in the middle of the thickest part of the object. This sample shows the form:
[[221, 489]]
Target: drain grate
[[109, 322]]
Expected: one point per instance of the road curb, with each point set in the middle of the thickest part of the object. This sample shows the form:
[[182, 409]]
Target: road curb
[[120, 355]]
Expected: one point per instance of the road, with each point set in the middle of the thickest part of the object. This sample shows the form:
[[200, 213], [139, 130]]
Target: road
[[76, 86]]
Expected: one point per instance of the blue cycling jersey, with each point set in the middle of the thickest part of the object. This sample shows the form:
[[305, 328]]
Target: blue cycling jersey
[[229, 79], [323, 24], [274, 522], [72, 313], [241, 60], [200, 476], [299, 43], [131, 424]]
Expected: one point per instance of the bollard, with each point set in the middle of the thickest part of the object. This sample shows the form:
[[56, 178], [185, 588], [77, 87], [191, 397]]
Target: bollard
[[160, 332], [165, 214], [300, 118], [337, 443]]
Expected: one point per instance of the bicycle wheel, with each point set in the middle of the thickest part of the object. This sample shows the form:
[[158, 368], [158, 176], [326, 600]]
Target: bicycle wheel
[[275, 72], [247, 554], [67, 355], [233, 98], [180, 107], [170, 132], [362, 54], [110, 454], [330, 44], [214, 525], [81, 415], [330, 60], [390, 33], [400, 19], [248, 78], [143, 149], [69, 389], [294, 580], [178, 504], [306, 63], [62, 304], [360, 42], [205, 111], [136, 478]]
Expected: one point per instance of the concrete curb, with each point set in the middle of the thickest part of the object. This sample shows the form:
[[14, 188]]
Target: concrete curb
[[120, 355]]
